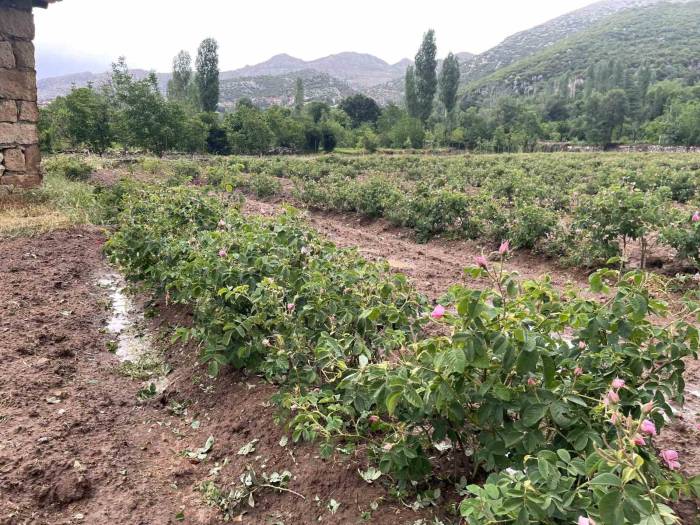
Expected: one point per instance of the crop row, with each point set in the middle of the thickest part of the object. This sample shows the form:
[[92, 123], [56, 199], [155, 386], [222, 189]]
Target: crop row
[[580, 209], [543, 405]]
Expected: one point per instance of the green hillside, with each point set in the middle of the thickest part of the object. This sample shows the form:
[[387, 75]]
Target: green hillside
[[664, 37]]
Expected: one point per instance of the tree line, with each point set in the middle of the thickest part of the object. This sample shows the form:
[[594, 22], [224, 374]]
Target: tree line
[[612, 103]]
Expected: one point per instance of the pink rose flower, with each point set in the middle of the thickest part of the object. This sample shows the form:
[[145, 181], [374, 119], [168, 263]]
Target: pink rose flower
[[582, 520], [373, 419], [648, 427], [639, 440], [670, 457], [504, 247], [578, 371], [696, 216], [613, 418], [612, 398], [532, 381], [648, 407], [481, 262], [438, 312], [222, 253], [291, 307], [618, 383], [582, 345], [222, 223]]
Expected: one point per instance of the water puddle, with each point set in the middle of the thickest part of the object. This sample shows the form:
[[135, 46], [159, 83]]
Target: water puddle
[[132, 340]]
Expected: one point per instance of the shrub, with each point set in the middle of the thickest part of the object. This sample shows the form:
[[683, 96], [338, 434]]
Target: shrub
[[275, 298], [684, 236], [72, 168], [151, 165]]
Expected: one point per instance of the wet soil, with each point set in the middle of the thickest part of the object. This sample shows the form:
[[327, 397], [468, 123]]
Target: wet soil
[[77, 445]]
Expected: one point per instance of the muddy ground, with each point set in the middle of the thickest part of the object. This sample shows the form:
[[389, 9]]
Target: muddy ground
[[78, 446]]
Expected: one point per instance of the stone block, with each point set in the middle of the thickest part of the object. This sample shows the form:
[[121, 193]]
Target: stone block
[[17, 23], [32, 158], [24, 54], [28, 111], [18, 133], [7, 57], [18, 85], [14, 160], [21, 180], [8, 111]]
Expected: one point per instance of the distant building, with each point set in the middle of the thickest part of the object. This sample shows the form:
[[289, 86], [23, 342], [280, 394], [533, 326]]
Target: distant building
[[19, 139]]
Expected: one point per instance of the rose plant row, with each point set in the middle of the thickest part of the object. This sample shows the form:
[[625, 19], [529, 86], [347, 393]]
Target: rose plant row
[[540, 406]]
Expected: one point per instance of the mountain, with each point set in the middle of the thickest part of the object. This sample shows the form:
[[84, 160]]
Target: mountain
[[525, 43], [50, 88], [663, 36], [277, 65], [268, 90], [343, 73], [357, 69], [564, 46]]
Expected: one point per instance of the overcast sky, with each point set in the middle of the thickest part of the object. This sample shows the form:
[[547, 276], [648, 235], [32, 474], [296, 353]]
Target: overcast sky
[[80, 35]]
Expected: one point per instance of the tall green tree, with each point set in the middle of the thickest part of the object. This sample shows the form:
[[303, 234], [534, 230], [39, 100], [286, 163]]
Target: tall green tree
[[88, 120], [426, 75], [361, 109], [178, 85], [299, 96], [208, 74], [411, 95], [248, 131], [144, 119], [449, 82]]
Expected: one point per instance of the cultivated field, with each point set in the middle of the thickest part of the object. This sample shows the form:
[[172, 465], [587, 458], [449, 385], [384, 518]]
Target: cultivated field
[[422, 339]]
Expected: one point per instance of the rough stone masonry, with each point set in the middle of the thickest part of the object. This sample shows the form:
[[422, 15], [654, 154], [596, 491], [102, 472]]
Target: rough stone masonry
[[19, 141]]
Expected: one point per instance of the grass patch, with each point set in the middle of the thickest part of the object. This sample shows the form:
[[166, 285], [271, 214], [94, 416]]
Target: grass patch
[[58, 203], [147, 366]]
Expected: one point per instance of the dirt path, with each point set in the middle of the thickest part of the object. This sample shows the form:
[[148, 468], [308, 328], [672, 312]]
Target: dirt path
[[433, 267], [77, 445], [74, 441]]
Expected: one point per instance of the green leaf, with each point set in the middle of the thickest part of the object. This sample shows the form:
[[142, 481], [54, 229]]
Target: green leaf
[[412, 396], [527, 362], [610, 508], [455, 361], [533, 414], [564, 455], [391, 401], [607, 479], [559, 410]]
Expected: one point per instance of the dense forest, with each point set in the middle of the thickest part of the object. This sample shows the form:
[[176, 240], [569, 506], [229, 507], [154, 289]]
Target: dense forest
[[586, 89]]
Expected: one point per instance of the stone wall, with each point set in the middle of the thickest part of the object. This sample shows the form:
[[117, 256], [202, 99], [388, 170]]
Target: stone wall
[[19, 149]]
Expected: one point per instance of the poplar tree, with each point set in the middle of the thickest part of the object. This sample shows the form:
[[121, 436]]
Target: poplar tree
[[449, 82], [426, 76], [299, 97], [208, 74], [410, 92], [178, 85]]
